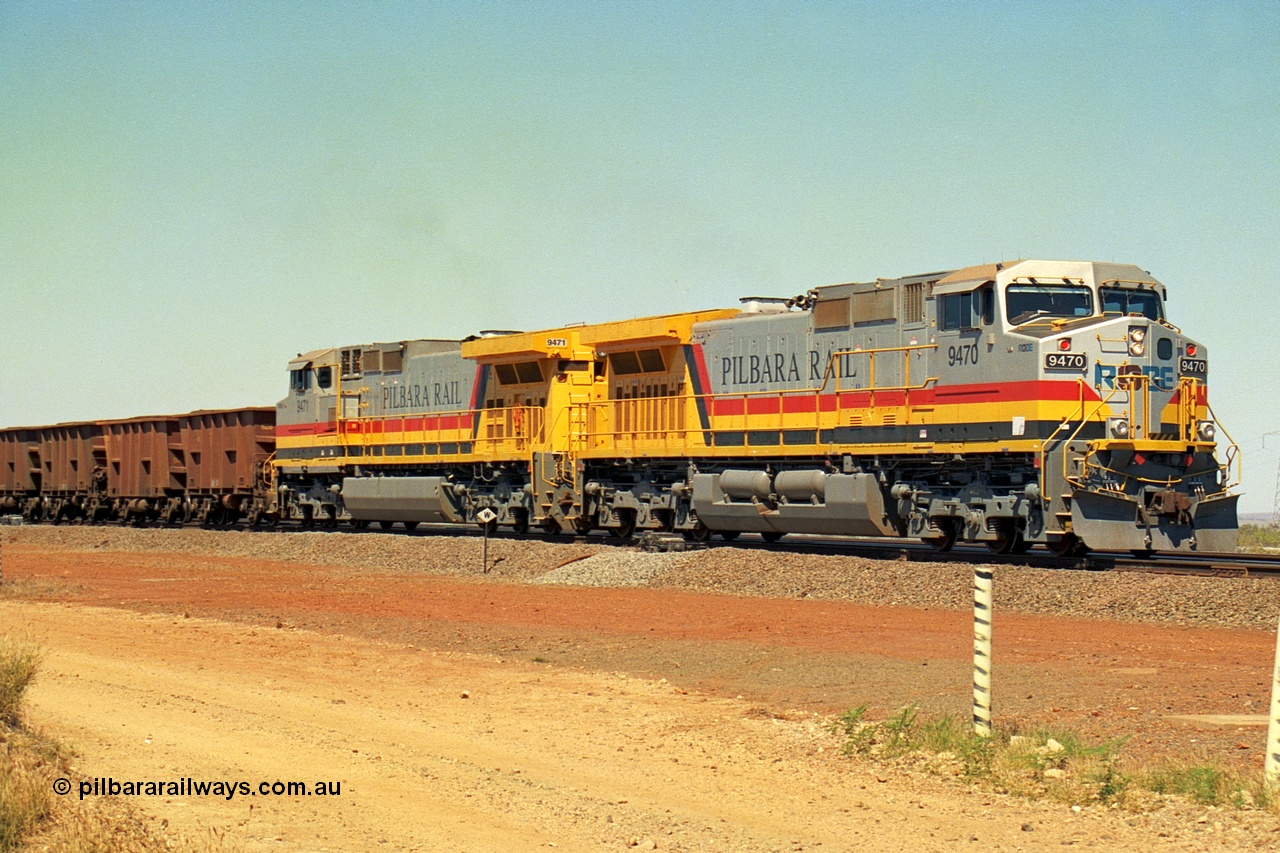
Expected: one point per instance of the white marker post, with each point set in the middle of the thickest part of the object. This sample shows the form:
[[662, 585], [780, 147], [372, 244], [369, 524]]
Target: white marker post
[[982, 599], [486, 517], [1271, 764]]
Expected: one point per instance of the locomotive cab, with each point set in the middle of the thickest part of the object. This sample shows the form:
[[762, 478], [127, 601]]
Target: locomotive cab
[[1132, 464]]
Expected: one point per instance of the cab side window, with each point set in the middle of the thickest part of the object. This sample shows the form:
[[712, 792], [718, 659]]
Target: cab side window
[[967, 310]]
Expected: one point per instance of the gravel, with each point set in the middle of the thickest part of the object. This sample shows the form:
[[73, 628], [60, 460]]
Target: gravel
[[1118, 596]]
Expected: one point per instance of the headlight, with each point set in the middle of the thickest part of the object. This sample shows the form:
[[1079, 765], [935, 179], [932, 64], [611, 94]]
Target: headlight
[[1120, 428], [1137, 334], [1206, 430]]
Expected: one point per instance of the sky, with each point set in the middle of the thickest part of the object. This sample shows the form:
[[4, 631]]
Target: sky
[[193, 192]]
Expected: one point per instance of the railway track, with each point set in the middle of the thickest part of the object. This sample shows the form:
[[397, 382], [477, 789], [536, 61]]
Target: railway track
[[1222, 565]]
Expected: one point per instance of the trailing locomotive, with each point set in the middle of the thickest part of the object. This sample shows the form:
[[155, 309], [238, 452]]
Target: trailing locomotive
[[1032, 402]]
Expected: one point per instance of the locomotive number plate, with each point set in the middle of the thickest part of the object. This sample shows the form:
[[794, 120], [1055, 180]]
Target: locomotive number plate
[[1194, 366], [1064, 361]]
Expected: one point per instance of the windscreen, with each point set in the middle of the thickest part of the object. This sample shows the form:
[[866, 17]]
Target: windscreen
[[1027, 302], [1123, 300]]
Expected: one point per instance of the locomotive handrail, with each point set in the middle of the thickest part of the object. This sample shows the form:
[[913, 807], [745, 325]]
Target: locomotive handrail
[[1131, 383], [519, 426], [1084, 460], [906, 368], [1233, 452]]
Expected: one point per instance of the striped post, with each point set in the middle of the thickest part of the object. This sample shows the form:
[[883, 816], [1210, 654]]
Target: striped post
[[1271, 764], [982, 587]]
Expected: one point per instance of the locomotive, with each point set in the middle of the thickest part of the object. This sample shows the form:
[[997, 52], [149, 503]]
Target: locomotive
[[1010, 404]]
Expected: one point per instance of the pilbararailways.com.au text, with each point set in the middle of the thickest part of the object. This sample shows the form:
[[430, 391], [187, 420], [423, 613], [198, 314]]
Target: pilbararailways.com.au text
[[188, 787]]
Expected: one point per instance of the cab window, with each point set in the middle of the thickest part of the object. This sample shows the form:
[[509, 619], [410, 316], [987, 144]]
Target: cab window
[[1123, 300], [967, 310], [1026, 302]]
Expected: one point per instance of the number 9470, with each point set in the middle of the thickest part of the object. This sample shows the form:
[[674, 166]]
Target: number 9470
[[962, 354]]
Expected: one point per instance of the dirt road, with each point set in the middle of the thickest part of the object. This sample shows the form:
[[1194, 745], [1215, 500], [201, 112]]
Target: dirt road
[[469, 716]]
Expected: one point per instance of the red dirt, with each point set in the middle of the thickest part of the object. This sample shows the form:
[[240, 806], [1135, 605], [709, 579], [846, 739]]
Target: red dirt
[[1104, 679]]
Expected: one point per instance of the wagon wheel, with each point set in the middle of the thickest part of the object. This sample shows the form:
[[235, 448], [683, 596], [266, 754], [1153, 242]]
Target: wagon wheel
[[411, 526], [359, 523], [729, 535], [771, 536], [386, 525]]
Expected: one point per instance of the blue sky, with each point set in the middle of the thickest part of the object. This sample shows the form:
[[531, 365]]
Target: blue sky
[[190, 193]]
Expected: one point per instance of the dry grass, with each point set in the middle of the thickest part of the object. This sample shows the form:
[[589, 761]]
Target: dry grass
[[19, 661], [32, 818], [38, 589]]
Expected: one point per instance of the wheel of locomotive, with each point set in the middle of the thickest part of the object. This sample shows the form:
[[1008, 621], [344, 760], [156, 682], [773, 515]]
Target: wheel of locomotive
[[1007, 537], [411, 526], [626, 524], [729, 535], [698, 533], [308, 516], [520, 521], [330, 519], [949, 528], [1068, 545], [583, 524], [666, 519], [1022, 546], [550, 527], [771, 536]]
